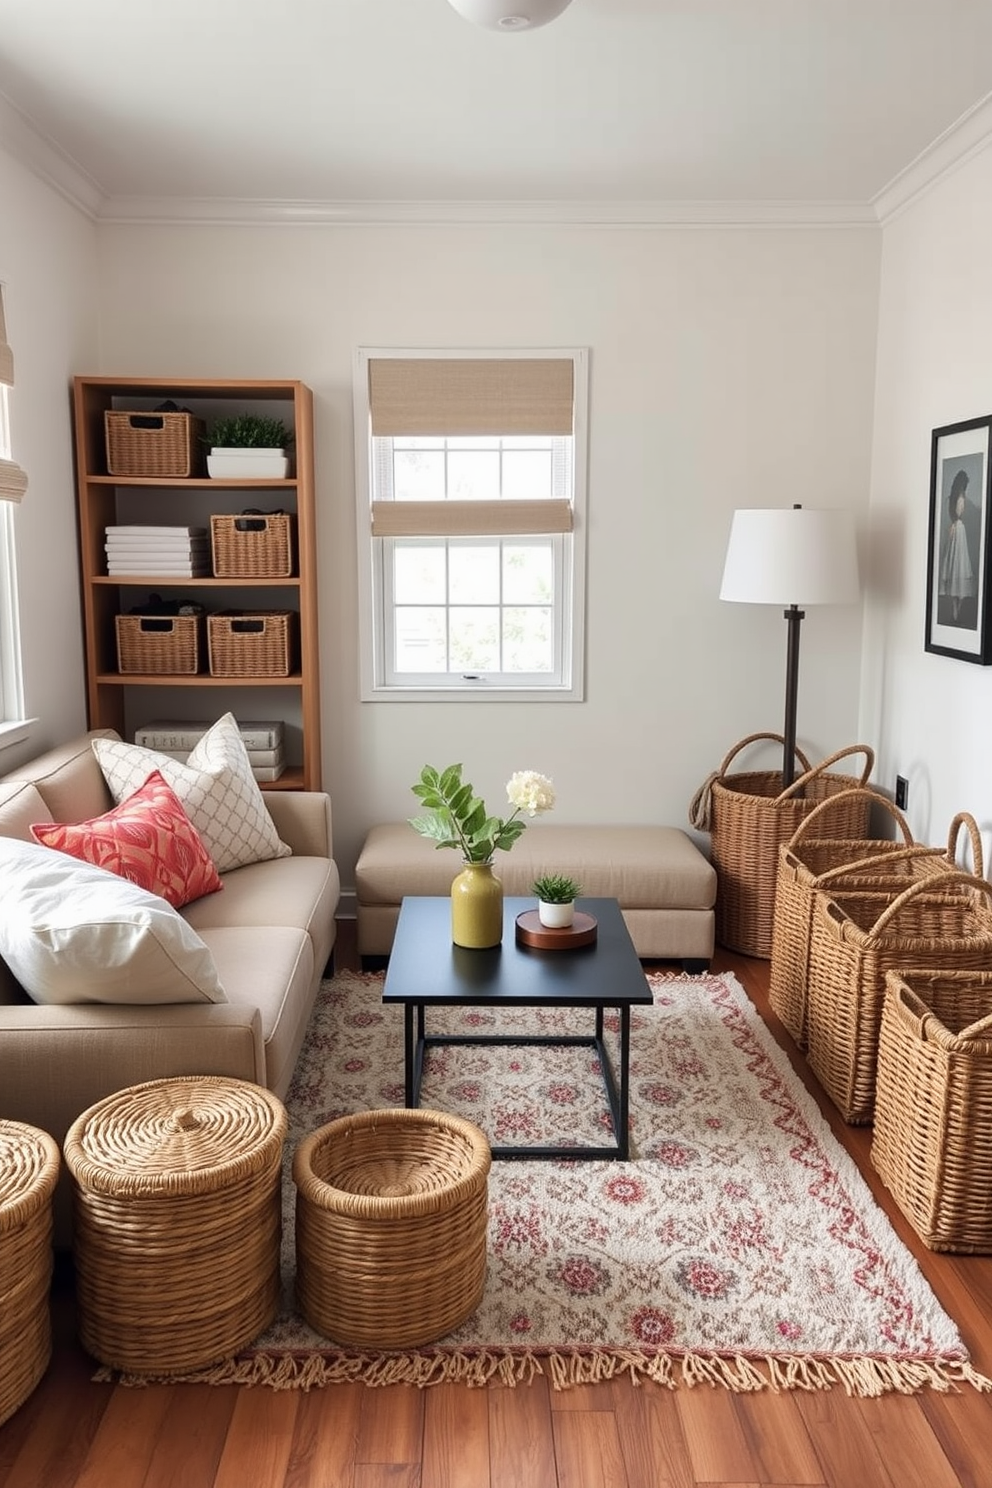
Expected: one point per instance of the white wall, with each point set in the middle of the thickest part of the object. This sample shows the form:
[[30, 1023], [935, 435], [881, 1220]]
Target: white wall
[[932, 715], [47, 261], [728, 368]]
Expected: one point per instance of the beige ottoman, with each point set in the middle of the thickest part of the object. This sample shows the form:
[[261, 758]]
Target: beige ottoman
[[664, 885]]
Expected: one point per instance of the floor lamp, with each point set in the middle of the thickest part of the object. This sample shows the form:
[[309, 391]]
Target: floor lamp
[[792, 557]]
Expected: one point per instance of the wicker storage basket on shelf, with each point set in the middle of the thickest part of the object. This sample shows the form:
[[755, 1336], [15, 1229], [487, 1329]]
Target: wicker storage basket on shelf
[[29, 1168], [749, 816], [177, 1221], [252, 643], [252, 545], [932, 1142], [940, 922], [166, 445], [391, 1221], [159, 645], [809, 862]]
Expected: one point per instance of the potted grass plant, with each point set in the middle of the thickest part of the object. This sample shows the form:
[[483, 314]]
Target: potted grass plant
[[249, 446], [556, 896]]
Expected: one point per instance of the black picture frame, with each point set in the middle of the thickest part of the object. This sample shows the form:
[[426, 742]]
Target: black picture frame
[[958, 547]]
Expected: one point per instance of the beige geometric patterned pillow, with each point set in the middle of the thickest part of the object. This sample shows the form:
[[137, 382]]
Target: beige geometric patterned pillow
[[216, 787]]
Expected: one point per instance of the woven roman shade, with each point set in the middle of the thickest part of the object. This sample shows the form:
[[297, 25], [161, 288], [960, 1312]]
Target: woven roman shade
[[470, 518], [461, 396], [13, 481]]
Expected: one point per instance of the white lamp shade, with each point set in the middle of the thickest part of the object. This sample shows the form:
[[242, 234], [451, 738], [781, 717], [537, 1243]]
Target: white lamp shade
[[791, 556], [509, 15]]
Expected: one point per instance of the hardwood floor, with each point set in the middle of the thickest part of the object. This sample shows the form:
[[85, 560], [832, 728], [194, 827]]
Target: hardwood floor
[[74, 1433]]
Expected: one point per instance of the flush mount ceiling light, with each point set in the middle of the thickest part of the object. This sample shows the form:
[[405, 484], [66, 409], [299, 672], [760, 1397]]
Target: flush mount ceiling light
[[509, 15]]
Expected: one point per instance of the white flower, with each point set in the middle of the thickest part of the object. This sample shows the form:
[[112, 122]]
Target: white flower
[[528, 791]]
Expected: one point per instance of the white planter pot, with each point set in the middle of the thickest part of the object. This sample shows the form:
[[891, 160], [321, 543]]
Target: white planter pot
[[556, 916], [247, 464]]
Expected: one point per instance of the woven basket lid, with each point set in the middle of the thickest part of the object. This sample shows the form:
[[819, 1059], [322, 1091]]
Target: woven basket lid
[[191, 1134], [29, 1168]]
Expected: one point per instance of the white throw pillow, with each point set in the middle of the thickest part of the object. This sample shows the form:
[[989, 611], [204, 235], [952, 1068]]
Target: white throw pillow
[[218, 791], [71, 932]]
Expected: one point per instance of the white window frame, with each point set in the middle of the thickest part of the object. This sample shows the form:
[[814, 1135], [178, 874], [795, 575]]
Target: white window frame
[[13, 726], [377, 684]]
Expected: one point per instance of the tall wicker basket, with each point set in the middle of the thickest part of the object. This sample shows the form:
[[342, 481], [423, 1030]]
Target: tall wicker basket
[[810, 862], [749, 816], [391, 1226], [177, 1209], [932, 1143], [943, 922], [29, 1168]]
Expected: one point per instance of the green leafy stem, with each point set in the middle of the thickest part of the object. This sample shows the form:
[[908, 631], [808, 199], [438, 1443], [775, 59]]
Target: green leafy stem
[[458, 818]]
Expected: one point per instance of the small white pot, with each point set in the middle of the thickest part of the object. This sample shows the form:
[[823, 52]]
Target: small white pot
[[247, 464], [556, 916]]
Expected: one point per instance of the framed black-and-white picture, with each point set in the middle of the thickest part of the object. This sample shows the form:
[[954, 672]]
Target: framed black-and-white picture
[[958, 567]]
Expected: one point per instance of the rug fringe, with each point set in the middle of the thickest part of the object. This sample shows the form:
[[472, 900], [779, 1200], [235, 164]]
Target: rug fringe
[[865, 1377]]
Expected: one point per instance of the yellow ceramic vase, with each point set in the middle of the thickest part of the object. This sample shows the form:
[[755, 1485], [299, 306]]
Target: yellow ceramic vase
[[477, 907]]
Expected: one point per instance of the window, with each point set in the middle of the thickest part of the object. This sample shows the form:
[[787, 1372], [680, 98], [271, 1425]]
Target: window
[[471, 502], [13, 483]]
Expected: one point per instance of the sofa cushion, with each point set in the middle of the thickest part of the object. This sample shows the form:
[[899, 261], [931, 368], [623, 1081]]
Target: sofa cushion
[[71, 932], [21, 804], [147, 839], [271, 968], [217, 789]]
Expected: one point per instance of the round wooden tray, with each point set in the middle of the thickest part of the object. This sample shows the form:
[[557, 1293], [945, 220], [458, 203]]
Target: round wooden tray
[[531, 932]]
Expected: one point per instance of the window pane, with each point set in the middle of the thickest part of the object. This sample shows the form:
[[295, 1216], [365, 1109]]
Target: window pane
[[473, 476], [475, 639], [473, 574], [528, 573], [420, 639], [419, 573], [527, 476], [527, 642], [418, 475]]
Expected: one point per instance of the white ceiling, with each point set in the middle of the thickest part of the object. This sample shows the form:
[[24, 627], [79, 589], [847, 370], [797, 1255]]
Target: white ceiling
[[322, 102]]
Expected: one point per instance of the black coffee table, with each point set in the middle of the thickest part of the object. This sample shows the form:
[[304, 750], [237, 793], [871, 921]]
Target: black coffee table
[[426, 969]]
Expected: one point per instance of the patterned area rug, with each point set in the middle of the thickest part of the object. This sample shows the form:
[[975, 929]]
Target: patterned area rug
[[740, 1245]]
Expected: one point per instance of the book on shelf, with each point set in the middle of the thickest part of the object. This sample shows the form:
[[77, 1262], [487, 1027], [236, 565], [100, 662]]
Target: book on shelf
[[263, 773], [140, 530], [158, 570], [180, 734], [266, 757], [129, 554]]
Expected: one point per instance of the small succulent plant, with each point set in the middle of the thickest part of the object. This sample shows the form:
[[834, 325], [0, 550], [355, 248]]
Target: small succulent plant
[[556, 888]]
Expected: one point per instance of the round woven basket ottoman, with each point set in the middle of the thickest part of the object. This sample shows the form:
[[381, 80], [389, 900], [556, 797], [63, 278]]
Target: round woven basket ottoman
[[177, 1221], [29, 1168], [391, 1215]]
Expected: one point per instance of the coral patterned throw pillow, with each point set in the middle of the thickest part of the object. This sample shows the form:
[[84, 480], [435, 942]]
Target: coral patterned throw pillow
[[147, 839]]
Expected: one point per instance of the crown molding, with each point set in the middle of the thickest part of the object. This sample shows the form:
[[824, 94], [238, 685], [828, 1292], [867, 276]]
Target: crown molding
[[214, 212], [964, 139], [45, 159]]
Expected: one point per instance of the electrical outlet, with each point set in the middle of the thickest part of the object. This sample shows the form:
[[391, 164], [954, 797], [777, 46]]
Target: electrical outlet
[[902, 792]]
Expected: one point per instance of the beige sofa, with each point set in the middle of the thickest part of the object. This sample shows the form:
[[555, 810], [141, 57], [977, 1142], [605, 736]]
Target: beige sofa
[[271, 934]]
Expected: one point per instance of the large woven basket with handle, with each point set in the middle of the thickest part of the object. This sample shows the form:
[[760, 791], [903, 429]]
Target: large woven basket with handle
[[932, 1143], [749, 815], [811, 862], [943, 922]]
